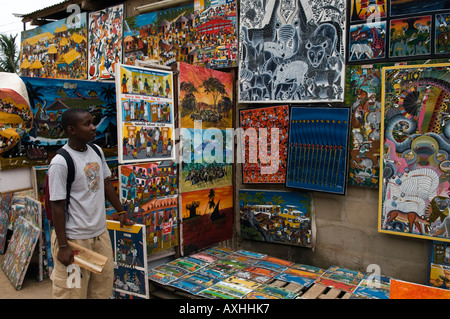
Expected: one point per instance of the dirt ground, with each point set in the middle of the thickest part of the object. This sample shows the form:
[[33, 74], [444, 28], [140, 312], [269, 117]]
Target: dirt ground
[[31, 287]]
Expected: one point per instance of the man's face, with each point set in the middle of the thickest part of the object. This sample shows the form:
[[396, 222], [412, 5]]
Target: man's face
[[84, 129]]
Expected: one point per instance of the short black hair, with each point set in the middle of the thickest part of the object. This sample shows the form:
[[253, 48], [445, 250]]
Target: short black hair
[[70, 117]]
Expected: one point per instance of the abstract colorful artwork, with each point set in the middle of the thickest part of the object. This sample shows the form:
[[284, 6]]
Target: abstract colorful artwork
[[318, 144], [410, 37], [130, 259], [367, 41], [56, 50], [276, 216], [415, 133], [363, 94], [145, 114], [216, 29], [258, 151], [105, 42], [207, 218], [148, 192], [292, 51]]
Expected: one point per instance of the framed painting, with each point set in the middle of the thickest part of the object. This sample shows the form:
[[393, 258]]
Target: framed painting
[[367, 41], [292, 51], [276, 216], [414, 171], [364, 10], [105, 38], [442, 33], [145, 114], [410, 37]]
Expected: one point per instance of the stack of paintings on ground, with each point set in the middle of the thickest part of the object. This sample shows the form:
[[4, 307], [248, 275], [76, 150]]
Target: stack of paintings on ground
[[221, 273]]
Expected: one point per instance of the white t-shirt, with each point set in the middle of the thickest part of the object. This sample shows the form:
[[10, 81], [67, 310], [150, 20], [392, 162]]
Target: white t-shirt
[[87, 214]]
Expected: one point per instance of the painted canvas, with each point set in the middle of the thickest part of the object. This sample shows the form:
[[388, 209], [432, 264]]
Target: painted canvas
[[145, 114], [148, 192], [56, 50], [366, 11], [205, 95], [166, 36], [363, 94], [292, 51], [318, 140], [105, 42], [410, 37], [264, 142], [49, 98], [5, 205], [442, 33], [276, 216], [20, 250], [216, 33], [413, 173], [130, 259], [367, 41], [408, 290], [400, 7], [207, 218]]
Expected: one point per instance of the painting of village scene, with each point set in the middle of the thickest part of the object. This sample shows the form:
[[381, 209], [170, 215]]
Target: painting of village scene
[[216, 33], [205, 95], [276, 216], [207, 218], [148, 192], [56, 50], [49, 98]]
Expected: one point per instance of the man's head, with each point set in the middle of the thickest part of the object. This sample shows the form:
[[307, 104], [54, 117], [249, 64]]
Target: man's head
[[78, 125]]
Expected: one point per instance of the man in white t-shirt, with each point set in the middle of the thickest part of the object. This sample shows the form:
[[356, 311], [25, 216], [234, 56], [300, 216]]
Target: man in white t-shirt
[[84, 222]]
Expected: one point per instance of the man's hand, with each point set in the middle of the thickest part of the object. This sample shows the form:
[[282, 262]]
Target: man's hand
[[65, 255], [124, 221]]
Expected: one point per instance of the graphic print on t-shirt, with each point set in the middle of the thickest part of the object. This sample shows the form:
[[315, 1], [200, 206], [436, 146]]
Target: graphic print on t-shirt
[[92, 176]]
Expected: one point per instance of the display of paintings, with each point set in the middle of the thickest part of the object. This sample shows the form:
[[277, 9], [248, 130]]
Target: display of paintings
[[410, 36], [304, 275], [292, 51], [364, 10], [256, 124], [207, 218], [49, 98], [442, 33], [194, 282], [341, 278], [400, 7], [205, 95], [413, 173], [20, 250], [56, 50], [367, 41], [6, 201], [148, 192], [105, 42], [318, 140], [216, 30], [167, 36], [377, 287], [130, 259], [145, 114], [363, 94], [276, 216], [165, 273]]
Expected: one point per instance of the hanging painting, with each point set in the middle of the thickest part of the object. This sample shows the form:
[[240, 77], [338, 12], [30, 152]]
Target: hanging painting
[[318, 146], [364, 10], [410, 37], [49, 98], [400, 7], [276, 216], [264, 138], [105, 42], [367, 41], [56, 50], [145, 114], [414, 172], [442, 33], [292, 51]]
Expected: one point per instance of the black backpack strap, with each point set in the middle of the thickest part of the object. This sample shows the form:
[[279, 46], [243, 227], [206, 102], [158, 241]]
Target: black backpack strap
[[70, 174]]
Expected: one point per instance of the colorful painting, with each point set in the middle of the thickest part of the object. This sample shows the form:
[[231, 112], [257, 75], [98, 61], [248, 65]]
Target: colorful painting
[[205, 95], [413, 174], [402, 7], [318, 140], [207, 218], [145, 114], [442, 33], [366, 10], [304, 275], [216, 30], [367, 41], [363, 94], [56, 50], [130, 259], [276, 216], [410, 37], [262, 122], [105, 42], [20, 250], [165, 36], [148, 192], [408, 290], [6, 201], [292, 51]]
